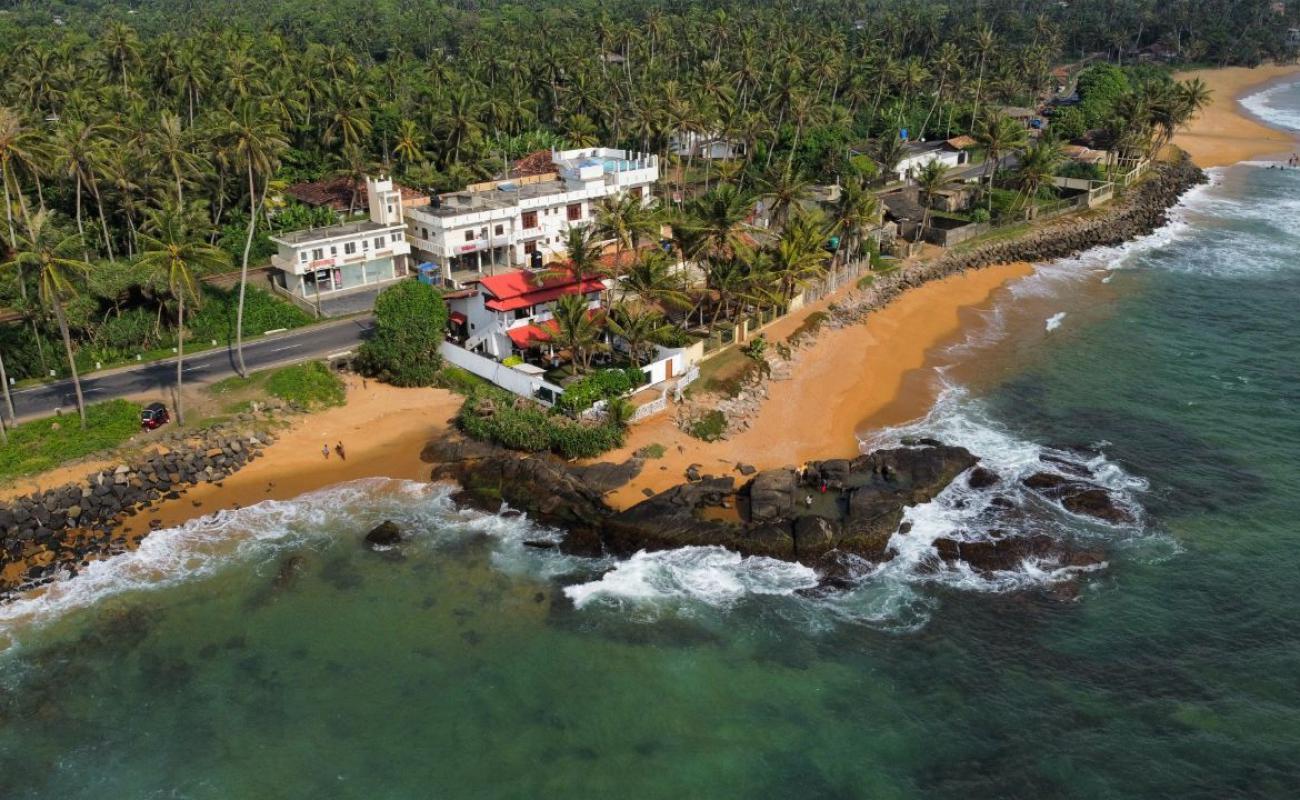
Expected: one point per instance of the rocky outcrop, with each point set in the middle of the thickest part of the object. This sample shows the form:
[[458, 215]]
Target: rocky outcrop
[[831, 506], [57, 530], [383, 536], [1079, 497]]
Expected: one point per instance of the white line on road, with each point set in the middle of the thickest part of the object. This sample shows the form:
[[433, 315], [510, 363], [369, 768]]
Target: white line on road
[[286, 347]]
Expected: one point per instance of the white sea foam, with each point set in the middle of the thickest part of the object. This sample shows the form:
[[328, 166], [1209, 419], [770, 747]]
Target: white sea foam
[[1054, 321], [203, 546], [712, 576], [1276, 105]]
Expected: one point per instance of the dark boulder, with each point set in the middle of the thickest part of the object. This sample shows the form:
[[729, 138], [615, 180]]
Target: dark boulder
[[981, 478], [772, 495], [384, 535]]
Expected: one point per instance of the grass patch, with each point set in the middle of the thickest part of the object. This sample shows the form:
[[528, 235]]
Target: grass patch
[[866, 281], [710, 427], [460, 381], [309, 385], [727, 372], [655, 450], [37, 446], [809, 327]]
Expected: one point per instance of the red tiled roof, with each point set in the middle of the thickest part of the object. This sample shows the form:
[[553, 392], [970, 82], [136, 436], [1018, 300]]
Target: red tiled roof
[[526, 336], [520, 289], [337, 193]]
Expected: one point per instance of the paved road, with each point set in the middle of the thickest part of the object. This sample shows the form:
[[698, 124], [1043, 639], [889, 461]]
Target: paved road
[[159, 378]]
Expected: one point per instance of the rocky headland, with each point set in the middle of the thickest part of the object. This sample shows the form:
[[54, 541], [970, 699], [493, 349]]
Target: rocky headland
[[824, 514]]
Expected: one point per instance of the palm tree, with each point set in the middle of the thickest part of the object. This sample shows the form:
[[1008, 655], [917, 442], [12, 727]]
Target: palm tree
[[719, 218], [887, 153], [53, 257], [856, 213], [625, 219], [784, 192], [932, 177], [409, 146], [636, 325], [255, 142], [577, 329], [171, 146], [799, 255], [174, 252], [652, 279], [998, 134], [1038, 166]]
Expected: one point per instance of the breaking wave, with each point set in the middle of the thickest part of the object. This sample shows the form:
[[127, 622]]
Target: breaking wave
[[1276, 105], [712, 576], [259, 534], [1054, 321]]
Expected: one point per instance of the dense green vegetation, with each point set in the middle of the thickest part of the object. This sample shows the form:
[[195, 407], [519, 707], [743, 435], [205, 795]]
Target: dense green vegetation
[[309, 385], [493, 415], [410, 318], [115, 116], [605, 384], [45, 443]]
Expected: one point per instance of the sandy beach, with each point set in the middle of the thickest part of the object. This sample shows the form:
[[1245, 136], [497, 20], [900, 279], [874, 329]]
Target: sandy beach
[[848, 381], [1226, 133], [382, 428]]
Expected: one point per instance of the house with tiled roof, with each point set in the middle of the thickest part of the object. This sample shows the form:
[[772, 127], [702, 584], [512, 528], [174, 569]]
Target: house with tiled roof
[[511, 312]]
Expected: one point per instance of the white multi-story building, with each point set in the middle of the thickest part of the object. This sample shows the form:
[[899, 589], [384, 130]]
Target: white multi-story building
[[325, 262], [493, 227]]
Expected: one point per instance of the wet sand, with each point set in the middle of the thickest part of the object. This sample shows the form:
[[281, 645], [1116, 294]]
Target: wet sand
[[850, 379], [1226, 132]]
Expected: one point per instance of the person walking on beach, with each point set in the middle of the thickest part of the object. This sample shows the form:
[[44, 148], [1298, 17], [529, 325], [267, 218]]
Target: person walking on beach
[[338, 448], [325, 451]]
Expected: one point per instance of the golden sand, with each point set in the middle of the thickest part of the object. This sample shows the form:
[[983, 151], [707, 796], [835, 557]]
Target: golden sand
[[1226, 132]]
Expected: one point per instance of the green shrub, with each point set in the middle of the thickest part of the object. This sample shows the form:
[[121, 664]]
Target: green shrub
[[652, 451], [604, 384], [512, 361], [709, 427], [37, 446], [528, 427], [410, 318], [310, 385], [980, 214], [460, 381], [263, 312]]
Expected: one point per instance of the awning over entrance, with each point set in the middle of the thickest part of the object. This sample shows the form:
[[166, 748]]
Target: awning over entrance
[[458, 318], [526, 336]]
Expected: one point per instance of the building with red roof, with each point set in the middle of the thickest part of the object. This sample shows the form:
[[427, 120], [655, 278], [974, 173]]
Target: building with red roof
[[511, 312]]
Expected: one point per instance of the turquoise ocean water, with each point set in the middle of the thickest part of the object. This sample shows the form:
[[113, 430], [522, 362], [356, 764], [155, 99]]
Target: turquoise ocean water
[[266, 654]]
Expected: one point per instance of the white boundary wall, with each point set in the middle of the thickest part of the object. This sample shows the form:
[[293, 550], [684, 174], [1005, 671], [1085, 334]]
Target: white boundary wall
[[508, 378]]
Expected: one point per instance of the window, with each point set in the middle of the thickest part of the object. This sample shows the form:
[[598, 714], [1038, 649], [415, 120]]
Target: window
[[397, 236], [334, 250], [530, 247], [574, 211], [302, 256], [349, 248], [365, 244], [469, 236], [500, 229], [636, 192], [390, 209], [379, 242], [424, 233], [530, 219], [317, 254], [523, 313]]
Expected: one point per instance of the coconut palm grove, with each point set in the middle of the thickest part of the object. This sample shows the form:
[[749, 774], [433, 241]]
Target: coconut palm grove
[[124, 125]]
